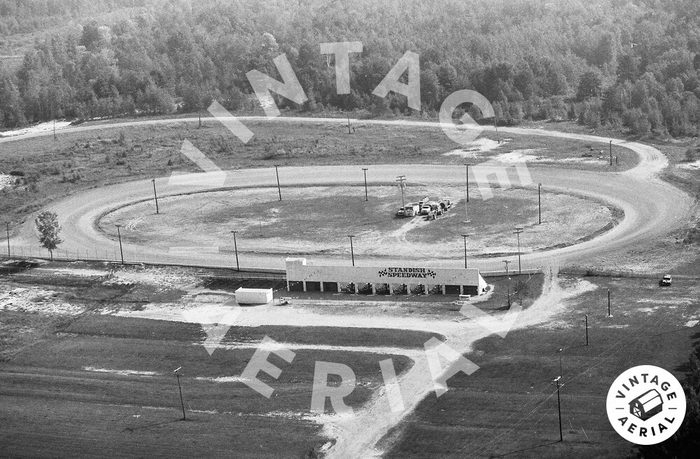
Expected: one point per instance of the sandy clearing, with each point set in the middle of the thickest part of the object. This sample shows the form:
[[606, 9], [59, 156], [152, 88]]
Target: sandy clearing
[[223, 379], [6, 181], [161, 278], [122, 372], [480, 145], [77, 272], [694, 166], [283, 316], [411, 353], [529, 156], [41, 128], [36, 300]]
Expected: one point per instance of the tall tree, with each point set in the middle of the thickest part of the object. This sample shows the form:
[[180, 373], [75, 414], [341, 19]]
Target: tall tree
[[48, 227]]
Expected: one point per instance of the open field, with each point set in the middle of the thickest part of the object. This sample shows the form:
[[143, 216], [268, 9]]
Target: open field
[[105, 381], [313, 220], [509, 406]]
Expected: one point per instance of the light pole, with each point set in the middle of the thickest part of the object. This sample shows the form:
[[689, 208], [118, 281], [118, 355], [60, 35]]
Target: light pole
[[352, 249], [235, 249], [401, 179], [121, 250], [364, 170], [179, 387], [155, 195], [611, 152], [517, 231], [586, 318], [539, 203], [7, 229], [557, 380], [277, 173], [465, 236], [609, 315]]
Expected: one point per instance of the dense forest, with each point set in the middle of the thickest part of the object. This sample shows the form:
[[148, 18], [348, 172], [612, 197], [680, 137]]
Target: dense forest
[[628, 65]]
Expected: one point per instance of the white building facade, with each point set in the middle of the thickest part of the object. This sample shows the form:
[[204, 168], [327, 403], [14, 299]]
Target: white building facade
[[324, 278]]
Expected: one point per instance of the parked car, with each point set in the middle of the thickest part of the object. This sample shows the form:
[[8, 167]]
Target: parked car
[[411, 209], [401, 212], [425, 209], [666, 281]]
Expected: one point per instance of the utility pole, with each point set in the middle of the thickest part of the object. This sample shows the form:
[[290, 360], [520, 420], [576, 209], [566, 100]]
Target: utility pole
[[182, 403], [352, 249], [348, 123], [277, 173], [200, 119], [155, 195], [586, 318], [466, 179], [364, 171], [119, 235], [507, 262], [539, 203], [611, 152], [517, 231], [609, 315], [495, 125], [557, 380], [7, 229], [561, 370], [401, 179], [465, 236], [235, 249]]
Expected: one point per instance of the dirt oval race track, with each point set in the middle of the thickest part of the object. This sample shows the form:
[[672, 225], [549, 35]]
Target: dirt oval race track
[[652, 207]]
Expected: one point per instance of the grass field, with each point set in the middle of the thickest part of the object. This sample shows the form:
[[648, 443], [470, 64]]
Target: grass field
[[509, 407], [310, 219], [70, 391]]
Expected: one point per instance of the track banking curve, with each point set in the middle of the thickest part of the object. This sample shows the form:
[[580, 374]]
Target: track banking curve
[[651, 207]]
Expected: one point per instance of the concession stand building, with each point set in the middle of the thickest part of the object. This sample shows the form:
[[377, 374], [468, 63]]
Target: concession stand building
[[386, 279]]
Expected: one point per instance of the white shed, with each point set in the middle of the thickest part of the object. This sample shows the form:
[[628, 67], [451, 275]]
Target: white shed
[[253, 295]]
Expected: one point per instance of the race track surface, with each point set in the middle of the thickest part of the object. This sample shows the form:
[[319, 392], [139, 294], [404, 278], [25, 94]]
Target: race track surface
[[652, 207]]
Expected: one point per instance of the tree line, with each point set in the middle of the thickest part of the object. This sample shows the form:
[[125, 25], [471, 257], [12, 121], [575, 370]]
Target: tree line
[[633, 66]]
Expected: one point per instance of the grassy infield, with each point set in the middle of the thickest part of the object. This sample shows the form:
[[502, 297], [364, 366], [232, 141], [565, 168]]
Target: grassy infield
[[52, 407], [55, 168]]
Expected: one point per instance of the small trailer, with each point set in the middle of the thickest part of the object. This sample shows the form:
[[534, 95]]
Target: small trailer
[[253, 295]]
